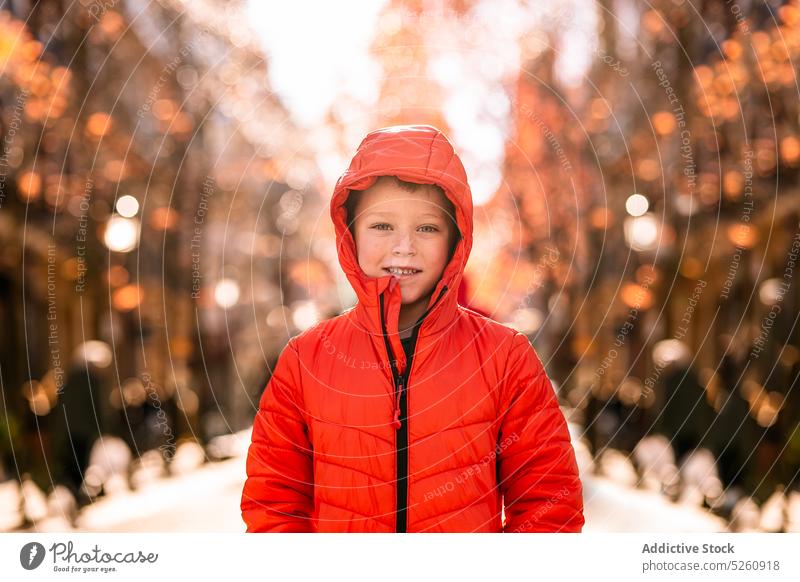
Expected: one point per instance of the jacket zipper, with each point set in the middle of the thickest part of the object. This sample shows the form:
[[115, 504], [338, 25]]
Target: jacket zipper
[[400, 421]]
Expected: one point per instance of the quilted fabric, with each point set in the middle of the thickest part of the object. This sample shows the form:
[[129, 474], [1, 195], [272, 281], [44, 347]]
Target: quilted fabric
[[485, 431]]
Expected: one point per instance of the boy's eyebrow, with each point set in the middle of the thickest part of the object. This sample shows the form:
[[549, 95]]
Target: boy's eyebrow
[[380, 213]]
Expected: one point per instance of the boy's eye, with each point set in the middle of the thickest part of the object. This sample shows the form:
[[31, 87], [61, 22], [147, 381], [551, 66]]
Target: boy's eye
[[386, 226]]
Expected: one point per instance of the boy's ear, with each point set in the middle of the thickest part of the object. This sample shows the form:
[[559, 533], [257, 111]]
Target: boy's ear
[[351, 206], [456, 238]]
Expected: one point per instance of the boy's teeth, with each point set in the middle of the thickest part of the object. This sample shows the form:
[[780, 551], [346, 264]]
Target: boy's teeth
[[401, 271]]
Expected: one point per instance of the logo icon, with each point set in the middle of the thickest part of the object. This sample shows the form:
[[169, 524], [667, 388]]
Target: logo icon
[[31, 555]]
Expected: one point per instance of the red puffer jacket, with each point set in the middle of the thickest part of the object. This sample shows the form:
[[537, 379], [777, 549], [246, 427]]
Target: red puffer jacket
[[482, 422]]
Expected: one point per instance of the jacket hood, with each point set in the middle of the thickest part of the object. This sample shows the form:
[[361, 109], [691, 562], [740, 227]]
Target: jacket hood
[[414, 153]]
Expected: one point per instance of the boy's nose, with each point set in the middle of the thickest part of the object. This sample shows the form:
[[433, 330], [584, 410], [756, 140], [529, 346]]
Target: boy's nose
[[403, 245]]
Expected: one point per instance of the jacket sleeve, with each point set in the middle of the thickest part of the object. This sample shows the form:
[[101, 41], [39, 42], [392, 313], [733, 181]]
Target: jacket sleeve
[[537, 471], [279, 490]]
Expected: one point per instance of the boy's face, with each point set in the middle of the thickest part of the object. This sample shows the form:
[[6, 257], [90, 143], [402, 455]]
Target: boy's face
[[395, 228]]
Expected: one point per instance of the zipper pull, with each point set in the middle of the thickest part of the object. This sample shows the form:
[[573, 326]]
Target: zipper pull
[[400, 386], [396, 423]]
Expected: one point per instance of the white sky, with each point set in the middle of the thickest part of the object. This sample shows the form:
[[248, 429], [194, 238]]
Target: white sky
[[320, 53]]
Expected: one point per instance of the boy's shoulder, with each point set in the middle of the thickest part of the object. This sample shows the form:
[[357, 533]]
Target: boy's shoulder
[[509, 343], [486, 325], [320, 331], [484, 320]]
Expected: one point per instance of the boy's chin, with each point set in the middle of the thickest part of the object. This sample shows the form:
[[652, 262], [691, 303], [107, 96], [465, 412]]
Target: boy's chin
[[415, 299]]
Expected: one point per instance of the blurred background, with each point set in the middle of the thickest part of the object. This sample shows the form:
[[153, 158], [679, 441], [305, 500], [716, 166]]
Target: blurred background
[[165, 170]]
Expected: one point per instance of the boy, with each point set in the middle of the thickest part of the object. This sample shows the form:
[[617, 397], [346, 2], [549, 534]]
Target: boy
[[408, 412]]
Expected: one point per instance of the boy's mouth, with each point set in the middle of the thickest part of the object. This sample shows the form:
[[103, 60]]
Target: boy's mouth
[[401, 271]]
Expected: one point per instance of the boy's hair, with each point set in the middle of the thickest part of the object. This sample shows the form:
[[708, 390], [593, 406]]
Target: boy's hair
[[351, 204]]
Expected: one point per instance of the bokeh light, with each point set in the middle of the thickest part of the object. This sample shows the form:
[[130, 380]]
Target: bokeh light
[[121, 234], [127, 206]]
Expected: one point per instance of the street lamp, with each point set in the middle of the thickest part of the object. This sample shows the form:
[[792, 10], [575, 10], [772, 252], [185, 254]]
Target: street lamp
[[226, 293], [127, 206], [121, 234], [642, 232], [636, 205]]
